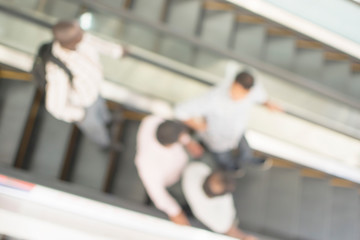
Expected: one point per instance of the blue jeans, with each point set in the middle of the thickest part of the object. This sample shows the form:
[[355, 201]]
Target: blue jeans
[[237, 158], [94, 124]]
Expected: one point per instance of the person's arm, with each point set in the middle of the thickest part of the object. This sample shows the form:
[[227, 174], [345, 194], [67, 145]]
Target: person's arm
[[57, 93], [106, 47], [260, 96], [273, 106], [193, 112], [193, 147], [180, 219], [196, 123], [235, 232], [163, 200]]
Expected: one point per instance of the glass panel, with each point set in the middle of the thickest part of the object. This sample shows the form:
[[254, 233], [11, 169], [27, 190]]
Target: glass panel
[[153, 80], [21, 34]]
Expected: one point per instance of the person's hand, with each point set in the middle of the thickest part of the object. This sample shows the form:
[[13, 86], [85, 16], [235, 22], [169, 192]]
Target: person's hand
[[237, 233], [198, 124], [125, 51], [195, 149], [250, 237], [273, 107], [180, 219]]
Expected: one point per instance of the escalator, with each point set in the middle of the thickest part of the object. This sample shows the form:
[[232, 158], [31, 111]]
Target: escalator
[[290, 201]]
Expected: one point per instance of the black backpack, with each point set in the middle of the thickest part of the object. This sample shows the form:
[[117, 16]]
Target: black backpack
[[39, 68]]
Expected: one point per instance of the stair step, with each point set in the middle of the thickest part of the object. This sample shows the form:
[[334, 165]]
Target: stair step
[[134, 116], [354, 85], [50, 146], [250, 39], [150, 10], [176, 49], [279, 163], [29, 4], [338, 182], [355, 67], [180, 8], [250, 199], [217, 5], [15, 75], [315, 208], [90, 164], [127, 183], [280, 50], [345, 214], [309, 63], [311, 173], [140, 36], [335, 56], [217, 28], [282, 201], [308, 44], [279, 31], [115, 4], [336, 74], [16, 98], [242, 18], [62, 9]]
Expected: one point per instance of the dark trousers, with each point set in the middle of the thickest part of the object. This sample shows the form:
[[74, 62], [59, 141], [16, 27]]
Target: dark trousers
[[237, 158]]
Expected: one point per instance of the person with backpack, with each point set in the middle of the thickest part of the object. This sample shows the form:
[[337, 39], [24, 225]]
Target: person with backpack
[[72, 79]]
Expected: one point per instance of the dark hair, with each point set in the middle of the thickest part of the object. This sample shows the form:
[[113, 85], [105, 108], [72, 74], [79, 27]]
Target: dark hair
[[218, 177], [66, 32], [169, 132], [245, 79]]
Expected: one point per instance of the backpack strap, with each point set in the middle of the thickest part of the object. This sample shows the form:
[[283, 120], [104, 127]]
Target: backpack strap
[[62, 65], [59, 63]]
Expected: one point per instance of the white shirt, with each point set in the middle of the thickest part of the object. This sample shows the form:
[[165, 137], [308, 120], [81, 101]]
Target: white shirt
[[158, 166], [217, 213], [226, 118], [68, 102]]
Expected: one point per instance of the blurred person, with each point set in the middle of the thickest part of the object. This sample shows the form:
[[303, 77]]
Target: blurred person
[[209, 195], [221, 116], [160, 159], [78, 99]]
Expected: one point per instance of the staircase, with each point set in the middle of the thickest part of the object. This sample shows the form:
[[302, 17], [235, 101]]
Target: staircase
[[287, 202]]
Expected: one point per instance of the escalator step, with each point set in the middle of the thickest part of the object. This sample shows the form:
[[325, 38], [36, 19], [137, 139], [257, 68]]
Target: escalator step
[[16, 97]]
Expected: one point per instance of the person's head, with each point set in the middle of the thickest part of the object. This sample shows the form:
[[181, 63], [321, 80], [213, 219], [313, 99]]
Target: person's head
[[68, 34], [241, 86], [169, 132], [218, 183]]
